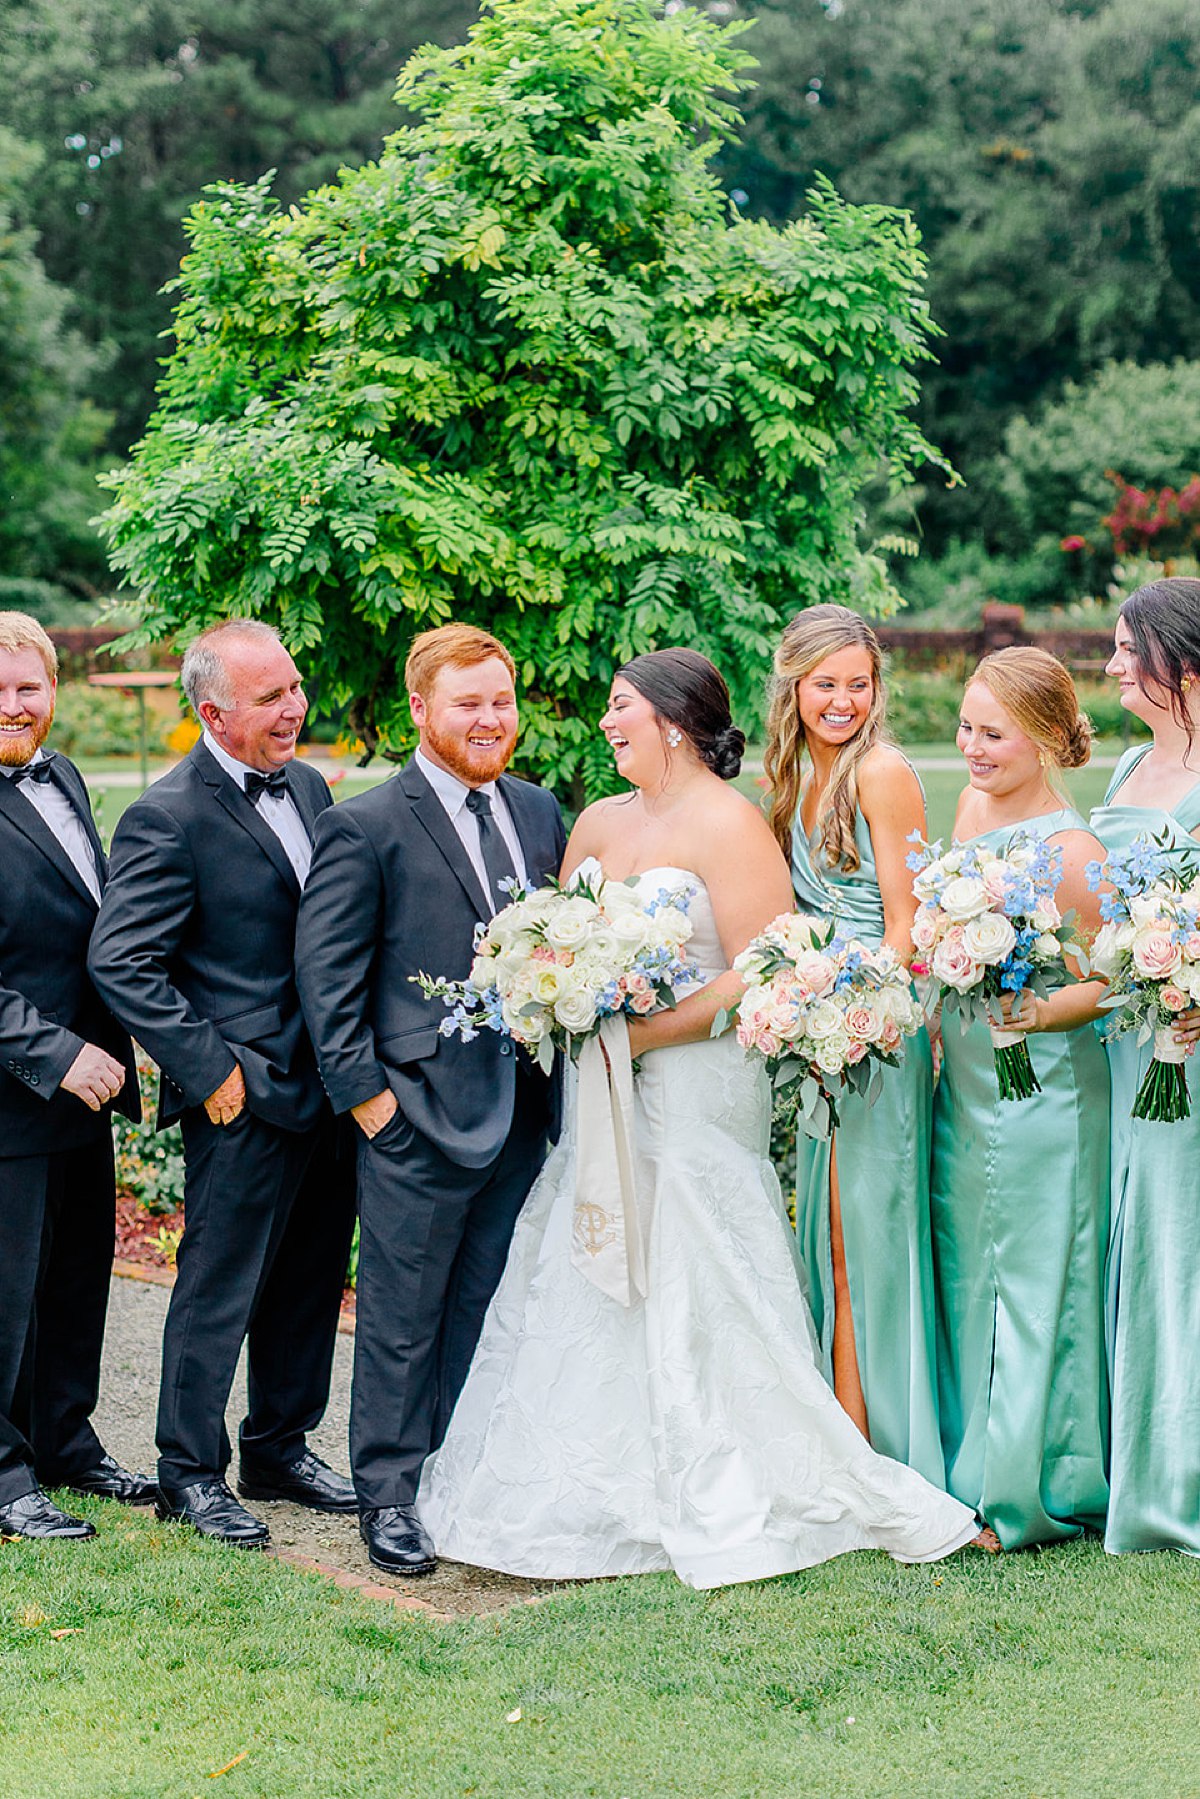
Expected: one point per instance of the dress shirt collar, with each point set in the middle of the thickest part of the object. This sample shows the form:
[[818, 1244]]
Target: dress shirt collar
[[33, 761], [450, 790], [237, 771]]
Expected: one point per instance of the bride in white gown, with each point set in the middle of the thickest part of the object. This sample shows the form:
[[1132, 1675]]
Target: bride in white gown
[[690, 1430]]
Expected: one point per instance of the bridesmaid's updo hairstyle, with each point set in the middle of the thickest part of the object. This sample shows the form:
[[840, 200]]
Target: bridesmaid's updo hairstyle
[[686, 691], [1163, 621], [807, 640], [1039, 696]]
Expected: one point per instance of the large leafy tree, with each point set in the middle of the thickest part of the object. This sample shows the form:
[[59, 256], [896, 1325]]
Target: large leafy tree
[[1048, 150], [49, 433], [136, 104], [527, 369]]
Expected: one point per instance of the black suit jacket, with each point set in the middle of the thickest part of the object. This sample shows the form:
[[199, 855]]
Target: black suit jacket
[[194, 948], [392, 892], [48, 1007]]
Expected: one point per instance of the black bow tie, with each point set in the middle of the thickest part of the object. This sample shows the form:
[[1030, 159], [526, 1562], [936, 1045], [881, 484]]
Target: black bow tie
[[35, 771], [274, 784]]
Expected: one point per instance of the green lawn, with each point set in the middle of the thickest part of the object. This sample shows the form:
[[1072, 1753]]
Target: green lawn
[[1061, 1673]]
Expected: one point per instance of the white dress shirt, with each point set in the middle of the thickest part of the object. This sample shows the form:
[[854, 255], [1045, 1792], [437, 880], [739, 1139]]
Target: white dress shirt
[[280, 815], [64, 823], [453, 794]]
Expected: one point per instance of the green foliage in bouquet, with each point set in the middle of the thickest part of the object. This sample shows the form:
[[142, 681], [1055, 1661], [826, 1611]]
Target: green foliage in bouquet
[[532, 370]]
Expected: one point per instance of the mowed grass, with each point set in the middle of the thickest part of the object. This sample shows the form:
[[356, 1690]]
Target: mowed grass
[[1060, 1673]]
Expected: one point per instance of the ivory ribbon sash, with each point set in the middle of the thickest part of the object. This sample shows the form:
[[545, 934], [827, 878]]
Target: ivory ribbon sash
[[606, 1237]]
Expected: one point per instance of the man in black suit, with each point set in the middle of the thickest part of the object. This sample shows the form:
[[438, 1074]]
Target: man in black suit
[[194, 951], [452, 1134], [64, 1063]]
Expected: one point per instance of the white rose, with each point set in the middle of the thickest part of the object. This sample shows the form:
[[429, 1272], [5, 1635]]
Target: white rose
[[547, 983], [576, 1012], [483, 972], [988, 938], [822, 1021], [630, 930], [1047, 945], [926, 884], [964, 898], [1144, 909], [1107, 950], [831, 1055], [571, 922]]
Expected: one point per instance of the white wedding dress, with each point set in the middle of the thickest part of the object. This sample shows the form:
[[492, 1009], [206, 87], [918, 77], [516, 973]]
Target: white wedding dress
[[691, 1430]]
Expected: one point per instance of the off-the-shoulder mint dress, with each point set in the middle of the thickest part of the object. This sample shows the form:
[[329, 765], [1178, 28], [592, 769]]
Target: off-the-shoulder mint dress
[[1019, 1196], [883, 1183], [1153, 1280]]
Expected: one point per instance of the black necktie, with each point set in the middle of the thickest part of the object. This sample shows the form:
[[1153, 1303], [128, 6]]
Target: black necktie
[[496, 857], [274, 784], [35, 771]]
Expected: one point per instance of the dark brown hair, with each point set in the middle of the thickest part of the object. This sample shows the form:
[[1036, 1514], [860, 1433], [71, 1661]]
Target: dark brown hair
[[687, 691]]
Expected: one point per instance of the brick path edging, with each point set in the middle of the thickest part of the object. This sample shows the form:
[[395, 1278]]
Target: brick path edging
[[359, 1583]]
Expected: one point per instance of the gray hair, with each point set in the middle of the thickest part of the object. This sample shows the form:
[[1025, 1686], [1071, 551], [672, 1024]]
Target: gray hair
[[204, 675]]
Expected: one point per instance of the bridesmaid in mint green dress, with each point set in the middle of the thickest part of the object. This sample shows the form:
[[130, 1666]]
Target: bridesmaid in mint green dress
[[1153, 1280], [1019, 1189], [862, 1203]]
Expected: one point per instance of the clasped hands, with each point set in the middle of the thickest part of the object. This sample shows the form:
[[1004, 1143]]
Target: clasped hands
[[1025, 1012]]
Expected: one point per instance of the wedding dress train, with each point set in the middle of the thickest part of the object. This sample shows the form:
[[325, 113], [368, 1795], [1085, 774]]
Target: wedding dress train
[[691, 1430]]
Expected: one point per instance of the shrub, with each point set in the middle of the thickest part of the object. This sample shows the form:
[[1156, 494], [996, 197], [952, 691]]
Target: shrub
[[149, 1162], [1053, 476], [528, 370]]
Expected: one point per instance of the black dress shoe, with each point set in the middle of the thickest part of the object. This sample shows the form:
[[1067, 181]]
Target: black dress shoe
[[396, 1539], [108, 1480], [33, 1515], [209, 1507], [309, 1481]]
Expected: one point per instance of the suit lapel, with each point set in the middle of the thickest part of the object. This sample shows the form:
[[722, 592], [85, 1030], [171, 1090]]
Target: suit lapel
[[304, 795], [517, 797], [430, 812], [30, 823], [228, 795]]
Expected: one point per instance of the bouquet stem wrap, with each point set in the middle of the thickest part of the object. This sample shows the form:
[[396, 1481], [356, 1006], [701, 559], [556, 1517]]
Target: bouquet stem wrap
[[606, 1236], [1163, 1095], [1014, 1070]]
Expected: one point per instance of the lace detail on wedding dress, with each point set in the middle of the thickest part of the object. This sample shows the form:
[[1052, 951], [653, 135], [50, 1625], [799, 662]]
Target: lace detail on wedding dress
[[692, 1430]]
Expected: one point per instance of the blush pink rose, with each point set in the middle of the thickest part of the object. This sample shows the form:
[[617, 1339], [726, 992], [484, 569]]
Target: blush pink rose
[[863, 1022], [855, 1053], [924, 929], [952, 964], [995, 880], [1174, 1000], [1155, 954], [815, 973]]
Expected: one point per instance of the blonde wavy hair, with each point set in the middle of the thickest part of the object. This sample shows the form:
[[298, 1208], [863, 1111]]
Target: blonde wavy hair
[[807, 640], [1039, 696]]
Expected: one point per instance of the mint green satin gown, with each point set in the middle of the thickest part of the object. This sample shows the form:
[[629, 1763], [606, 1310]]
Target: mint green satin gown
[[1019, 1196], [1153, 1279], [883, 1183]]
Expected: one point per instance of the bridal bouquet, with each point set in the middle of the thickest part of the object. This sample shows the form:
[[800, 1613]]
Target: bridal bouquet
[[1148, 950], [988, 924], [820, 1008], [556, 962]]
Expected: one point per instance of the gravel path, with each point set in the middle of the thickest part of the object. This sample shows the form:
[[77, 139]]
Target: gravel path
[[125, 1421]]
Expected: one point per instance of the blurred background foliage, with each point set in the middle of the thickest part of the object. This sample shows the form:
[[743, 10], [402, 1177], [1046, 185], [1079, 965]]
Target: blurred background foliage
[[1049, 153]]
